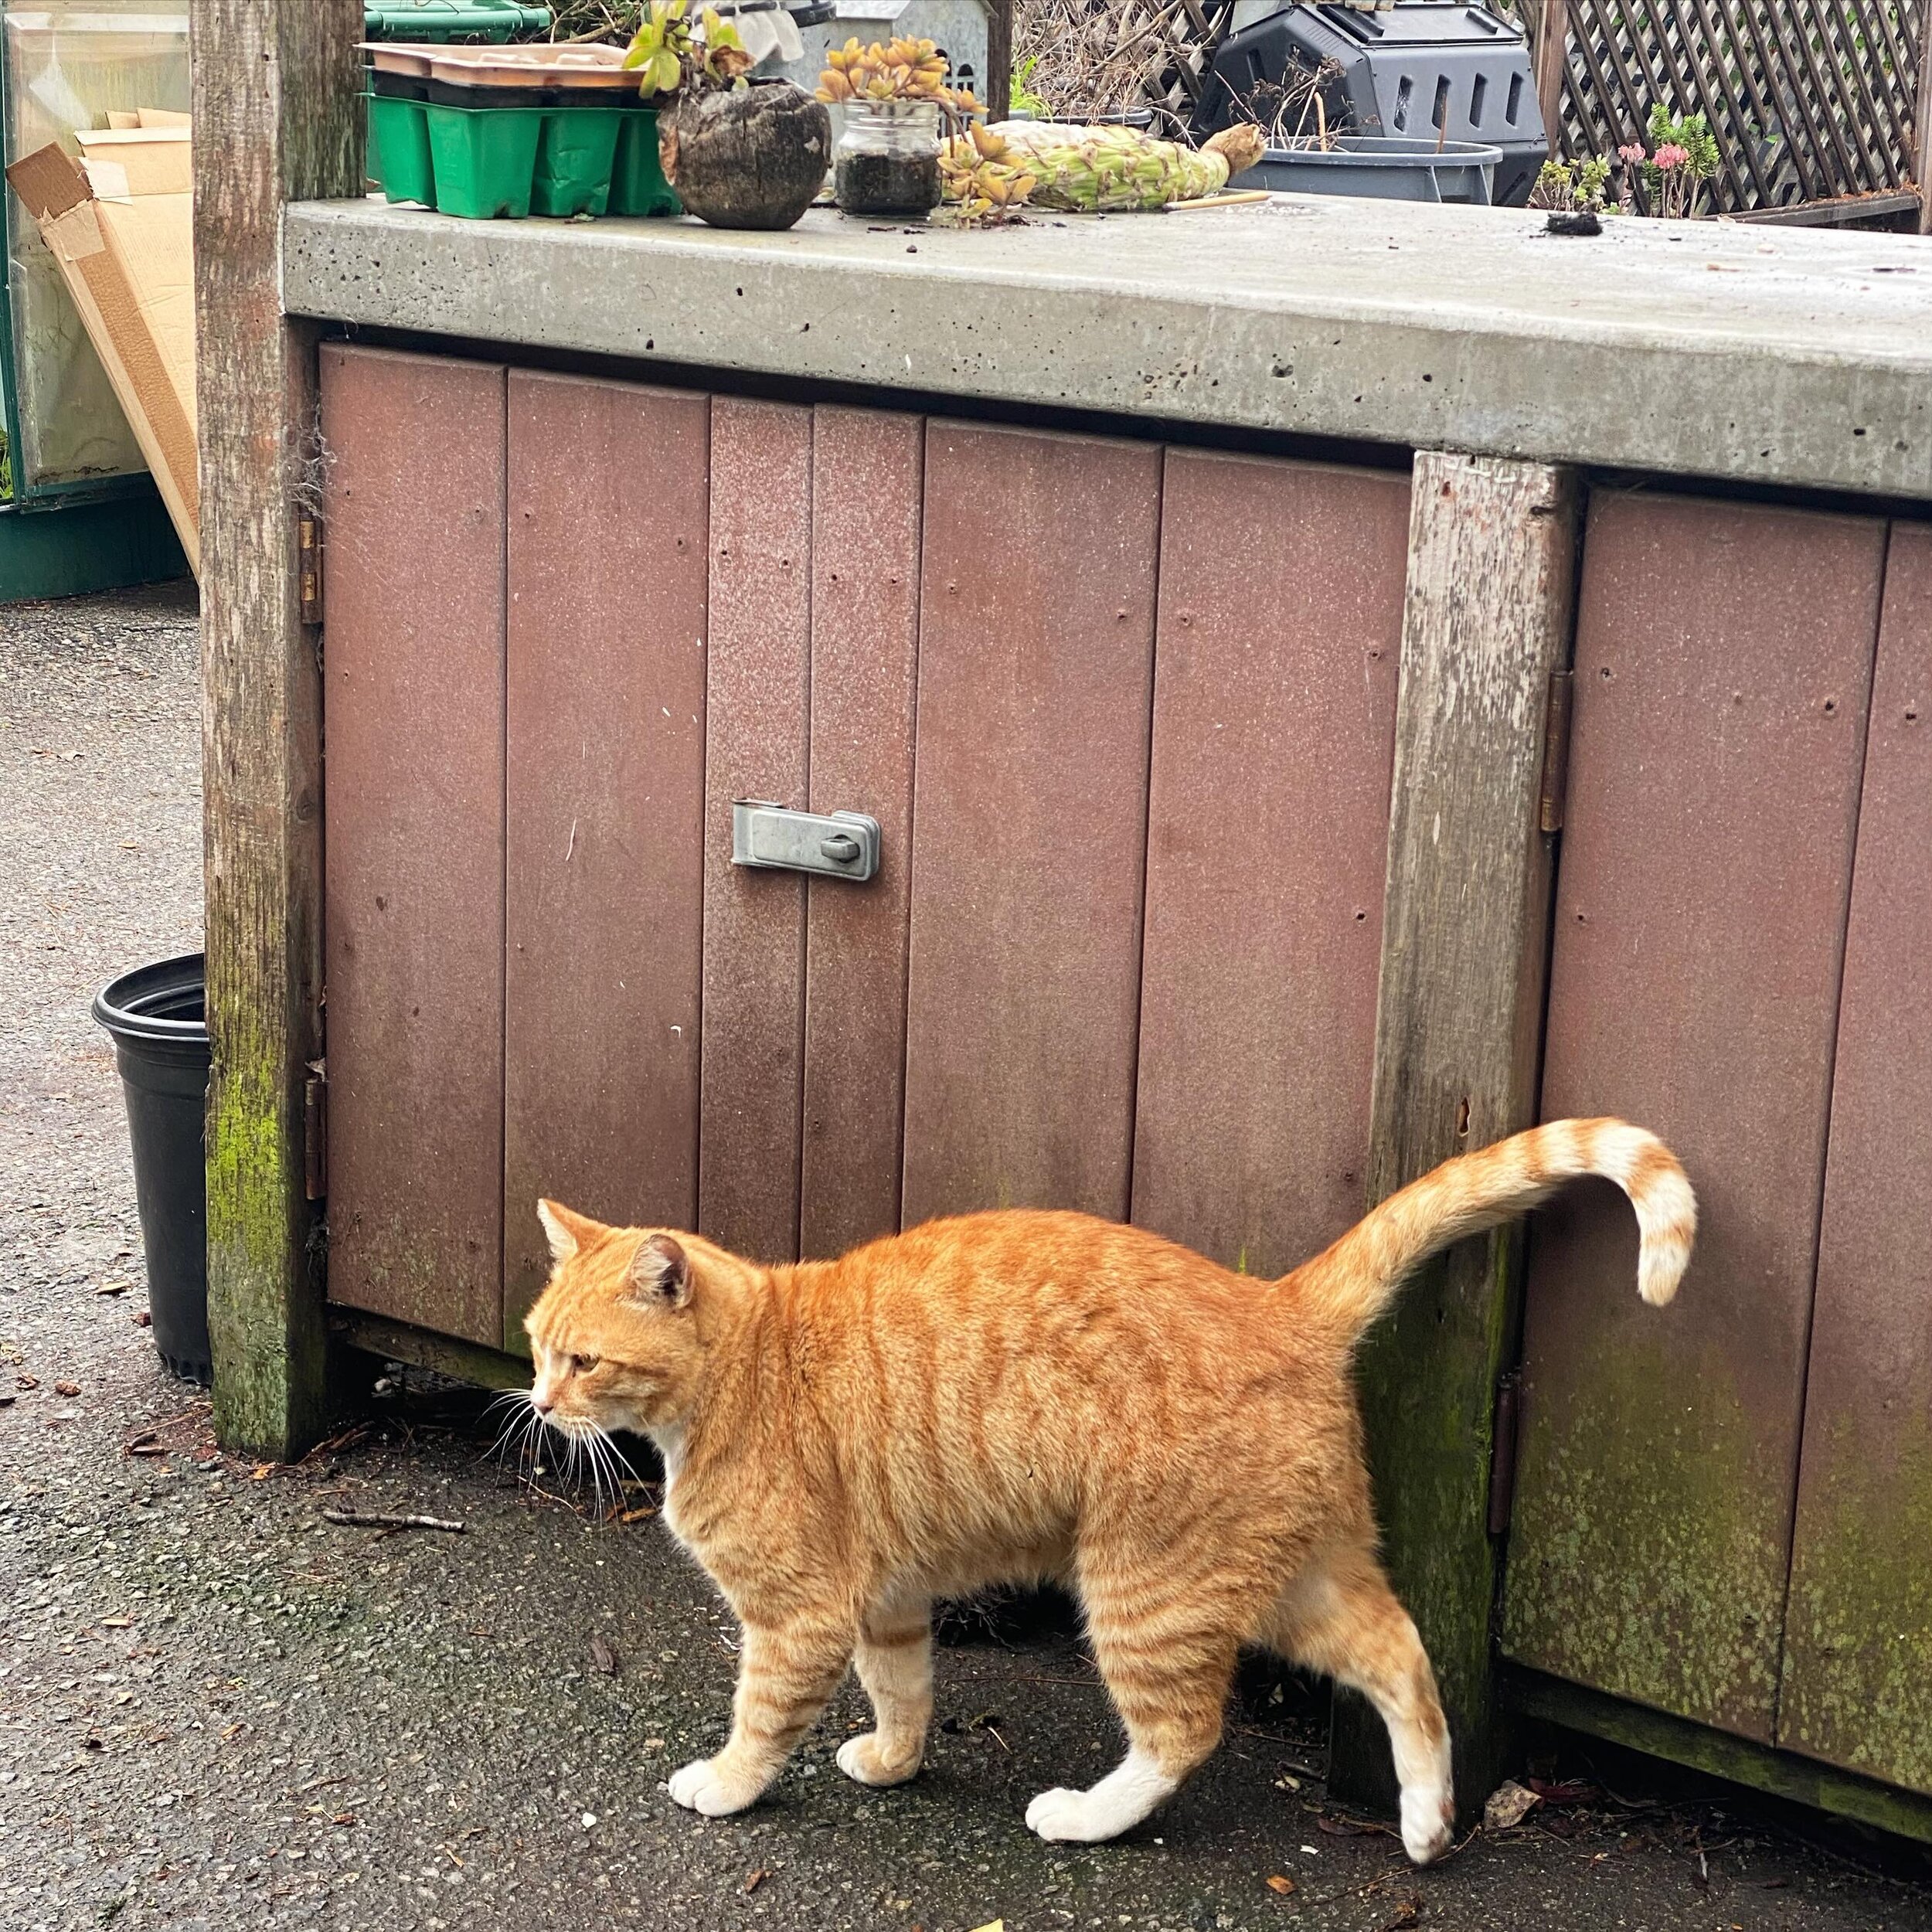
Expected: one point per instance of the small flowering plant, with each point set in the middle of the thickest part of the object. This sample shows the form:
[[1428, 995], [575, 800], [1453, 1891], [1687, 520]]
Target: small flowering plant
[[1682, 157]]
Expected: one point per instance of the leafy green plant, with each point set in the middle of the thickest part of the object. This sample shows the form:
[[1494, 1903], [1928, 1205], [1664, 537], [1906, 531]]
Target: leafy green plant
[[668, 53], [1023, 100]]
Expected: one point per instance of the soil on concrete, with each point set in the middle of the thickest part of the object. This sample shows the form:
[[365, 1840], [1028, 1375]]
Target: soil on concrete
[[219, 1710]]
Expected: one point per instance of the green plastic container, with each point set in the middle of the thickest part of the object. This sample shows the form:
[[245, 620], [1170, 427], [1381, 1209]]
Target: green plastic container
[[574, 161], [638, 185], [484, 158], [398, 150], [447, 20]]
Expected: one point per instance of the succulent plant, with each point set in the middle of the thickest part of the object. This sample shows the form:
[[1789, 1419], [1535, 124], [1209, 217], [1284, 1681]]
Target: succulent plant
[[902, 70], [668, 53]]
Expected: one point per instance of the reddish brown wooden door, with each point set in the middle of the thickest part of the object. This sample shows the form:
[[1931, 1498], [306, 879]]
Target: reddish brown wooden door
[[412, 897], [1124, 717], [1274, 708], [1856, 1685], [1723, 667], [603, 776]]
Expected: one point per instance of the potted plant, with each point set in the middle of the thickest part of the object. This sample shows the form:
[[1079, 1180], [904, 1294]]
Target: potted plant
[[741, 153], [894, 97]]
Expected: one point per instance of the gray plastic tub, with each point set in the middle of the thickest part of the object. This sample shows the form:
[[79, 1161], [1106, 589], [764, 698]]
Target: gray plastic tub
[[1386, 167]]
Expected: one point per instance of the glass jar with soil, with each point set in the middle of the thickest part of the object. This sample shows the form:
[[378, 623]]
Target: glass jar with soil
[[887, 160]]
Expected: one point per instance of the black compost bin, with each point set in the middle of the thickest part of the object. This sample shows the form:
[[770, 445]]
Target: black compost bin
[[1420, 71], [161, 1045]]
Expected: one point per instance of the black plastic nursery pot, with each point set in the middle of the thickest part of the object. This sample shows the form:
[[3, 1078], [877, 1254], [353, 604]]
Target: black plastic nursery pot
[[1382, 167], [156, 1018]]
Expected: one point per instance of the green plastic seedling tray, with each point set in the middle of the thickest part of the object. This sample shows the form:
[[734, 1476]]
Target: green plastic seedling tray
[[574, 159], [484, 159], [398, 150], [638, 185], [481, 162]]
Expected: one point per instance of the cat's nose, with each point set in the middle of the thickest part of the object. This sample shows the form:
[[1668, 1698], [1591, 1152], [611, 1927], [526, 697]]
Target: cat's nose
[[541, 1404]]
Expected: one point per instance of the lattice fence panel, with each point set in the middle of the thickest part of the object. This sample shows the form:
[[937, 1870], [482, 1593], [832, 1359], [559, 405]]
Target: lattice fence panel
[[1810, 99]]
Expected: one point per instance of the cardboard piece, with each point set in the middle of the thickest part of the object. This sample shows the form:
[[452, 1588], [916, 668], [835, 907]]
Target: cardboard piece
[[121, 224]]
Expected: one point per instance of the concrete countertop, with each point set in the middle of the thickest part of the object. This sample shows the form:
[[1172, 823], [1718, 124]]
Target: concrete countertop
[[1718, 349]]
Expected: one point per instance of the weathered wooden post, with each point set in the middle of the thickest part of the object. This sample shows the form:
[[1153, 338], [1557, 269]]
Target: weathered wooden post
[[1922, 120], [999, 58], [276, 119], [1485, 648], [1552, 55]]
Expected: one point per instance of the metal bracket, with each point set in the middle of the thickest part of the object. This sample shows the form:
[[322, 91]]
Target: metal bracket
[[1554, 792], [308, 543], [315, 1132], [1502, 1453], [831, 844]]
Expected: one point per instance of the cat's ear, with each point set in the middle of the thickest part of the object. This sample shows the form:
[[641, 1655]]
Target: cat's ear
[[567, 1231], [659, 1276]]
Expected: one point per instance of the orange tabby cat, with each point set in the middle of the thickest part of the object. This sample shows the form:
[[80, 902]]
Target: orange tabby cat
[[1008, 1397]]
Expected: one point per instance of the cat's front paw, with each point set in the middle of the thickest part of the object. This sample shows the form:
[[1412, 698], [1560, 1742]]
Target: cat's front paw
[[861, 1759], [698, 1787]]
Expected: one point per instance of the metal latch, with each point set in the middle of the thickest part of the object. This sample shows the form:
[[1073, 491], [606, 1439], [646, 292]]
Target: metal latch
[[834, 845]]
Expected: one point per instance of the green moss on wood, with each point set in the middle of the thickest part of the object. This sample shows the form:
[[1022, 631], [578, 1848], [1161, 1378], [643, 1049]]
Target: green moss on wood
[[1781, 1773], [263, 1301], [1857, 1672], [1427, 1378], [1648, 1549]]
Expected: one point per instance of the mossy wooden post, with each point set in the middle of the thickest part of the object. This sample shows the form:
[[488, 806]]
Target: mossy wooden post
[[999, 81], [277, 119], [1465, 954]]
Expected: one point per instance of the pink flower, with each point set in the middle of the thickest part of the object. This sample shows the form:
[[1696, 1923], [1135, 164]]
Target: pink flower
[[1670, 155], [1631, 151]]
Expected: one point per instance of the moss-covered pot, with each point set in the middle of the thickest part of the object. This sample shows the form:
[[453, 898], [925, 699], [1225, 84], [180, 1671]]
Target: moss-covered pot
[[749, 157]]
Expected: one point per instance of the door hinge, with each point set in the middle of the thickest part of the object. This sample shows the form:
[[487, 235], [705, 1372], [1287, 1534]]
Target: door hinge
[[315, 1132], [1502, 1453], [1555, 779], [308, 544]]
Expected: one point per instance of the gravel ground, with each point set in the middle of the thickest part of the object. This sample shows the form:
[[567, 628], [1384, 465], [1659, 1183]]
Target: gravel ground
[[217, 1709]]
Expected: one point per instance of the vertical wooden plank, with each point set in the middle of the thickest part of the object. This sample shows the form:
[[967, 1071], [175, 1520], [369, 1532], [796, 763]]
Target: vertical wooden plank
[[1274, 712], [758, 698], [1922, 121], [1036, 672], [278, 115], [1856, 1687], [604, 810], [1464, 938], [1552, 55], [1723, 665], [867, 478], [413, 902]]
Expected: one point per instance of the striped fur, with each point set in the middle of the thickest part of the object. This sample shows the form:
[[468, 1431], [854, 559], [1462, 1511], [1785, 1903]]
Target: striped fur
[[1025, 1395]]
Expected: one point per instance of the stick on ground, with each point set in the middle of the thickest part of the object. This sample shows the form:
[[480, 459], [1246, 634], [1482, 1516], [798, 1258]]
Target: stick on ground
[[383, 1519]]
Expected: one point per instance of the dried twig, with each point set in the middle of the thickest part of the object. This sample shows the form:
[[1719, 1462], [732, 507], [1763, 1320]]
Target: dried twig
[[385, 1519]]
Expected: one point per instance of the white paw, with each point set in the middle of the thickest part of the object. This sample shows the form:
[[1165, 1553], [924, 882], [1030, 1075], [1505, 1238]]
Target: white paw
[[859, 1758], [1428, 1822], [1070, 1817], [699, 1788]]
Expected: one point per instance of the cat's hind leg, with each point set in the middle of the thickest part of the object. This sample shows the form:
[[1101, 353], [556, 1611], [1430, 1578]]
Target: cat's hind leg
[[1167, 1656], [895, 1661], [1340, 1617], [785, 1674]]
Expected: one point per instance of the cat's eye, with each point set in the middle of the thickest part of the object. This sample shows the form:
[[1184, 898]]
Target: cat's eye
[[582, 1365]]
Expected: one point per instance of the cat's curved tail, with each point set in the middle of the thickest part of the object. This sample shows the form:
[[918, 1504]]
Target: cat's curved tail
[[1354, 1280]]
